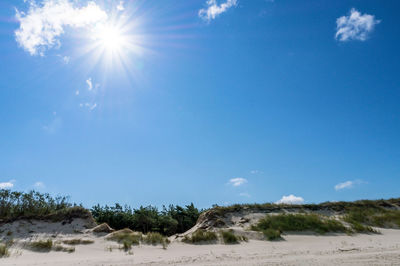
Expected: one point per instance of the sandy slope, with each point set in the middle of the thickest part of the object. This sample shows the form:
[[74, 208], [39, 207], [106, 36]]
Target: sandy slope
[[383, 249]]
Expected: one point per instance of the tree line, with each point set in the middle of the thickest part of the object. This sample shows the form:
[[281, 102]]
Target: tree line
[[168, 221], [35, 205]]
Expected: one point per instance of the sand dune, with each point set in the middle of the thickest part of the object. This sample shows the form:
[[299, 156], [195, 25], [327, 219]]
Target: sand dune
[[300, 249]]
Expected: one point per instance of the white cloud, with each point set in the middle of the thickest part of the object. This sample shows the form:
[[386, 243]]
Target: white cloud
[[89, 83], [238, 181], [355, 26], [90, 106], [7, 185], [42, 25], [213, 9], [291, 199], [39, 185], [245, 194], [66, 59], [77, 92], [348, 184], [254, 172], [54, 125], [120, 6]]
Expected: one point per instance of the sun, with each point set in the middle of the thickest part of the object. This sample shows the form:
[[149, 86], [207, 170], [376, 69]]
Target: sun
[[110, 38]]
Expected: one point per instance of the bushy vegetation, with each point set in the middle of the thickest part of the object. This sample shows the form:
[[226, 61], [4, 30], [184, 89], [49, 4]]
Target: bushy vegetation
[[272, 234], [373, 216], [34, 205], [41, 245], [78, 241], [169, 221], [200, 236], [272, 225], [63, 248], [4, 250], [155, 238], [126, 235], [229, 237], [339, 206]]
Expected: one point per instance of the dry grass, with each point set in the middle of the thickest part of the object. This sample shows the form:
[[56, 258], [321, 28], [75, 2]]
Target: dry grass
[[41, 245], [200, 236], [4, 251], [78, 241], [63, 248]]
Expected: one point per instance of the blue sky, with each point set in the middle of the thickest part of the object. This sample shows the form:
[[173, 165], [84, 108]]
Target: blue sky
[[210, 102]]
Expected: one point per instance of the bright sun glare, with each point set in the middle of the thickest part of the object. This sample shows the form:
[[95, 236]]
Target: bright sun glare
[[110, 38]]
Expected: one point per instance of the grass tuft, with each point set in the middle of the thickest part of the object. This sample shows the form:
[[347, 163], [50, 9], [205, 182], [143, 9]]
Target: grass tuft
[[42, 245], [155, 239], [229, 237], [200, 236], [4, 251], [272, 234], [273, 225], [78, 241], [63, 249], [125, 235]]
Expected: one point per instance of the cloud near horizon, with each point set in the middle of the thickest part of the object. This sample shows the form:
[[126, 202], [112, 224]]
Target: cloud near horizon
[[347, 184], [291, 199], [213, 9], [355, 26], [42, 25], [238, 181], [7, 185], [39, 185]]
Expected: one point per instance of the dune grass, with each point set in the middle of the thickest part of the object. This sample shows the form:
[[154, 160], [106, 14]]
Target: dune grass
[[273, 225], [4, 252], [78, 241], [41, 245], [229, 237], [155, 238], [126, 236], [200, 236], [372, 216], [63, 248]]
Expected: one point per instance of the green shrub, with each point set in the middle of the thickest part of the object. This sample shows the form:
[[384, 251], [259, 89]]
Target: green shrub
[[229, 237], [42, 245], [33, 205], [297, 223], [4, 251], [200, 236], [169, 221], [272, 234]]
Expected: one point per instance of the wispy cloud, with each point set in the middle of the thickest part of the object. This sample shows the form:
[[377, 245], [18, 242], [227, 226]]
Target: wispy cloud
[[348, 184], [245, 194], [7, 185], [291, 199], [66, 59], [355, 26], [213, 10], [39, 185], [254, 172], [90, 106], [54, 125], [89, 83], [238, 181], [43, 23], [120, 6]]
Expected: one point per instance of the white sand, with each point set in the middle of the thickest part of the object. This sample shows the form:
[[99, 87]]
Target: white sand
[[362, 249]]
